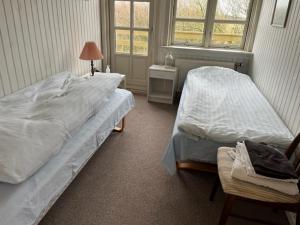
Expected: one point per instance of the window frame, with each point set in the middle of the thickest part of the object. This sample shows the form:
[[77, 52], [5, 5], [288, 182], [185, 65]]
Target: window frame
[[131, 28], [209, 22]]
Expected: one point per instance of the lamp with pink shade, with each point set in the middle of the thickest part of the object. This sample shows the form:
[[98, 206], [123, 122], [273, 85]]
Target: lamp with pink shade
[[91, 52]]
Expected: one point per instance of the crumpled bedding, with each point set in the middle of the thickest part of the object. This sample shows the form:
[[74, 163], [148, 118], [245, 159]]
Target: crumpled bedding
[[26, 203], [35, 122], [225, 106]]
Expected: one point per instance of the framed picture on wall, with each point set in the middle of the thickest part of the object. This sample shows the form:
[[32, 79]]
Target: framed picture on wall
[[280, 13]]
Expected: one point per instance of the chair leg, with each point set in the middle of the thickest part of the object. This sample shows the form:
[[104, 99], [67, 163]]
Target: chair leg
[[227, 209], [214, 189]]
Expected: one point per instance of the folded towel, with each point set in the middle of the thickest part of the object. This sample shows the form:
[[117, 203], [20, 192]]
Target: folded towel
[[242, 151], [242, 154], [268, 161], [239, 172]]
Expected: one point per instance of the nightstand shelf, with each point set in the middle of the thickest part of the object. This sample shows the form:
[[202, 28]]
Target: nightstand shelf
[[160, 95], [162, 83]]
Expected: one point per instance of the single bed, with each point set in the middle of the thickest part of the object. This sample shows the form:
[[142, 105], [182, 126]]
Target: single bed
[[189, 151], [26, 203]]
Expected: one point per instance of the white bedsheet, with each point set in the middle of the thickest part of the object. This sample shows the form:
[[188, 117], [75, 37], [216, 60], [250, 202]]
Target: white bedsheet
[[225, 106], [27, 202], [34, 126]]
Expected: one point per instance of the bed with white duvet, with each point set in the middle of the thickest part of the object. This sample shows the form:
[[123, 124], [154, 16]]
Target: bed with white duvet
[[219, 107], [48, 132]]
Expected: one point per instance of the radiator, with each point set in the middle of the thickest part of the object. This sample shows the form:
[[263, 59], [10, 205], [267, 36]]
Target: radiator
[[185, 65]]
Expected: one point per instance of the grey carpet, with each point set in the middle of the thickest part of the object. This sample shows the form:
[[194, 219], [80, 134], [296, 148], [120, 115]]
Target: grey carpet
[[125, 184]]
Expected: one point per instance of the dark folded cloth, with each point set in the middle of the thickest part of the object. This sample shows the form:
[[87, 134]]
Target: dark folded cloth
[[268, 161]]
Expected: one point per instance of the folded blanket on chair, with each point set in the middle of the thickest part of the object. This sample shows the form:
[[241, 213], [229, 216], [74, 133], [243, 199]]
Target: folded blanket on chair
[[268, 161], [242, 169], [241, 153], [240, 172]]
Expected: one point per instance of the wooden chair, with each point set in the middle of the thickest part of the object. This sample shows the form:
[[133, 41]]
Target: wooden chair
[[239, 190]]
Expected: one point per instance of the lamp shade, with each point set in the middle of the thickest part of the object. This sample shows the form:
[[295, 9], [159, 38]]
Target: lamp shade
[[90, 51]]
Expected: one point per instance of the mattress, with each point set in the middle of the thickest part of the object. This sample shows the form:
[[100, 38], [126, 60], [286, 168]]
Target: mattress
[[226, 106], [26, 203], [185, 147], [44, 121]]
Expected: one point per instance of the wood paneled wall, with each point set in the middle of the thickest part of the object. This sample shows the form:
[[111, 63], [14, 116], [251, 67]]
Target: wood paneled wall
[[39, 38], [276, 63]]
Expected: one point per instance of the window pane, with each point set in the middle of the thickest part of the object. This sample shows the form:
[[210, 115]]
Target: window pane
[[123, 41], [228, 34], [140, 43], [232, 9], [191, 9], [122, 13], [190, 33], [141, 14]]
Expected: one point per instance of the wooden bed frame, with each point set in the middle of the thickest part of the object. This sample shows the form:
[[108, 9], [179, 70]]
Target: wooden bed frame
[[199, 166], [121, 128]]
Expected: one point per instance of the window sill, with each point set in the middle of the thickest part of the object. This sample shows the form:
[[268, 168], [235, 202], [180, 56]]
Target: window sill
[[209, 50]]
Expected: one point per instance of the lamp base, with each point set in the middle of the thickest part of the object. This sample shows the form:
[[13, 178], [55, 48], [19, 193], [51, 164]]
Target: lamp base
[[92, 68]]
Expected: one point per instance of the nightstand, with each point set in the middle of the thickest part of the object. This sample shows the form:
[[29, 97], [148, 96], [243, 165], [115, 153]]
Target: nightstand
[[162, 81]]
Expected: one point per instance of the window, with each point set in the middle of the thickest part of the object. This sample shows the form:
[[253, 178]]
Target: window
[[122, 24], [211, 23], [131, 25]]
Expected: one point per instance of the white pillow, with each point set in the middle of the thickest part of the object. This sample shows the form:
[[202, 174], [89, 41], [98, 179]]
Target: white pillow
[[26, 145]]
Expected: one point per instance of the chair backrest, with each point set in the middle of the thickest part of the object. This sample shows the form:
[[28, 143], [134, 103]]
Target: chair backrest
[[292, 149]]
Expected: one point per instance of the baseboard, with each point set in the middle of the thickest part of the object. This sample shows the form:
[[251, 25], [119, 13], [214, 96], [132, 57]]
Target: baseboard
[[291, 217]]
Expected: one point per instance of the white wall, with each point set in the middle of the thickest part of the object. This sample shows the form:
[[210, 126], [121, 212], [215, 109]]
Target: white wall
[[39, 38], [276, 63]]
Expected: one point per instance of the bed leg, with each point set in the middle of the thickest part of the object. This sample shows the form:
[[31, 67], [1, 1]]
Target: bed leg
[[120, 129]]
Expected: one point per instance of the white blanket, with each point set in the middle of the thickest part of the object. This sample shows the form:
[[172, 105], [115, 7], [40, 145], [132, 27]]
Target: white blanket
[[34, 124], [225, 106]]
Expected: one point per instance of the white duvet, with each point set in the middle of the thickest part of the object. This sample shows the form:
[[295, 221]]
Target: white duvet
[[225, 106], [35, 122]]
